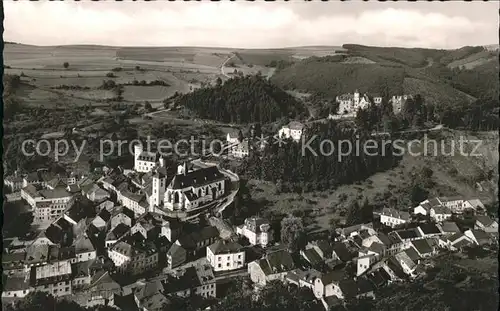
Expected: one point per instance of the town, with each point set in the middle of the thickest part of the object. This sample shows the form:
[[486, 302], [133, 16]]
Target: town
[[238, 156], [144, 234]]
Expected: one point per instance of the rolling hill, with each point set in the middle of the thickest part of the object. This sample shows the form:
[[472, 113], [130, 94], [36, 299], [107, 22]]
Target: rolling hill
[[242, 100], [443, 77]]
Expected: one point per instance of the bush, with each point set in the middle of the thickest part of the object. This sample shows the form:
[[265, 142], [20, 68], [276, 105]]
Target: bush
[[110, 75], [66, 65], [117, 69]]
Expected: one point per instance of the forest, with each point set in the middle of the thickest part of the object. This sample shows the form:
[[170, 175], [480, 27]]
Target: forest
[[242, 100]]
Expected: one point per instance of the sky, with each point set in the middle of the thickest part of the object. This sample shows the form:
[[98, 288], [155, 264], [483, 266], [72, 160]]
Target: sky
[[244, 24]]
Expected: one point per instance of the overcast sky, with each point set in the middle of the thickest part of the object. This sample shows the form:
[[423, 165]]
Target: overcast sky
[[251, 24]]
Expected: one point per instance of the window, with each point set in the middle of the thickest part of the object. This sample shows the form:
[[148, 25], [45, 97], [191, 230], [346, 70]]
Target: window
[[219, 265]]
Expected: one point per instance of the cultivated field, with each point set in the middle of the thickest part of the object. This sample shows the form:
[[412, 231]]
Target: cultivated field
[[46, 82]]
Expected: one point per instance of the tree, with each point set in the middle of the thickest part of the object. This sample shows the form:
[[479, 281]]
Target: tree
[[147, 106], [293, 233], [66, 65], [218, 82]]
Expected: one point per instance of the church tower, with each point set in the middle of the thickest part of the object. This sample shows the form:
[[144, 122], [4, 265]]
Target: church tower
[[158, 190]]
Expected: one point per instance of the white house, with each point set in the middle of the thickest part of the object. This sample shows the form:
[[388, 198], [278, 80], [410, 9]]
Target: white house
[[486, 224], [144, 161], [440, 213], [274, 266], [16, 287], [328, 284], [458, 204], [226, 256], [392, 217], [293, 130], [479, 237], [397, 102], [257, 230]]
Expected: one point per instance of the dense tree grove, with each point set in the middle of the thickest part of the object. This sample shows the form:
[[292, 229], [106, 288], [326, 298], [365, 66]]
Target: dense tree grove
[[274, 296], [242, 100], [313, 165]]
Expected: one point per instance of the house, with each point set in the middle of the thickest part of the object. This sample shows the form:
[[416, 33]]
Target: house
[[311, 256], [424, 247], [303, 278], [134, 258], [402, 261], [486, 224], [429, 230], [273, 266], [144, 161], [81, 274], [133, 201], [352, 289], [176, 256], [103, 285], [349, 104], [15, 286], [392, 217], [170, 228], [293, 130], [84, 249], [14, 263], [458, 204], [115, 234], [479, 237], [449, 228], [196, 241], [238, 146], [226, 256], [54, 279], [328, 284], [257, 230], [322, 248], [341, 252], [190, 189], [351, 231], [198, 280], [458, 241], [95, 193], [440, 213], [425, 206], [14, 182], [123, 216], [47, 204]]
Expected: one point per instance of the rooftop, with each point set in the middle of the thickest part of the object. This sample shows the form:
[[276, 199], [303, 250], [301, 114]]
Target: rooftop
[[225, 247]]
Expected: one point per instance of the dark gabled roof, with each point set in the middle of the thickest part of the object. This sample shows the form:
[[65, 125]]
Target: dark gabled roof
[[225, 247], [412, 253], [125, 303], [449, 226], [342, 251], [429, 229], [190, 241], [480, 236], [196, 178], [434, 202], [312, 256], [333, 276], [484, 220], [422, 246], [117, 231], [325, 247], [277, 262], [408, 234], [176, 249]]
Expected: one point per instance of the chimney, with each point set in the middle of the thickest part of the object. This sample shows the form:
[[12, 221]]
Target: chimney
[[162, 162]]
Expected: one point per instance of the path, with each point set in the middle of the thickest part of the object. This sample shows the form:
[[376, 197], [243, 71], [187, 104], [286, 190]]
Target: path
[[438, 127], [223, 64]]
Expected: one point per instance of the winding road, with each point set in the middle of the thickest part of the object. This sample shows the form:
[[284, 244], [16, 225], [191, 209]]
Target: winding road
[[223, 64]]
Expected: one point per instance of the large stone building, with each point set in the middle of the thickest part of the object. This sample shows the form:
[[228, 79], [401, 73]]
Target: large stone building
[[190, 189], [48, 204], [350, 103]]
